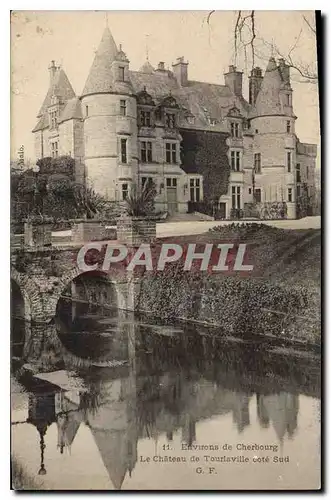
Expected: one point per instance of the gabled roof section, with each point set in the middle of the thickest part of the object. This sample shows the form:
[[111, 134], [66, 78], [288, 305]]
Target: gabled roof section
[[100, 75], [59, 86], [42, 123], [72, 110], [147, 68]]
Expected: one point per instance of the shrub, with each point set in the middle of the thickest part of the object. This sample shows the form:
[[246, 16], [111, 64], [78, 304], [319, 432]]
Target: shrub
[[141, 202]]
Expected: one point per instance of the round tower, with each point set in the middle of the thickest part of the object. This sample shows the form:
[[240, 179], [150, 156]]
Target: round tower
[[110, 122], [273, 126]]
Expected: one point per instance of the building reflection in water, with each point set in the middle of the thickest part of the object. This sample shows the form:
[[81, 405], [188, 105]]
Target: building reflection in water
[[159, 392], [42, 414]]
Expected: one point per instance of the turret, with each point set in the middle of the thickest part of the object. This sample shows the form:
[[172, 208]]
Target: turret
[[273, 125], [52, 71], [110, 122]]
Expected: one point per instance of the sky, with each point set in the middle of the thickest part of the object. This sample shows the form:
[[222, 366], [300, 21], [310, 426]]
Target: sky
[[72, 37]]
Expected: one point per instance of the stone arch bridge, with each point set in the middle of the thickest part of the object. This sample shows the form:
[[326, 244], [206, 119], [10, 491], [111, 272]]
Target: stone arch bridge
[[40, 277]]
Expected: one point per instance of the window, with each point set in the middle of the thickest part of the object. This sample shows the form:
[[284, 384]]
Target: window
[[121, 73], [298, 191], [249, 190], [53, 117], [212, 121], [257, 163], [288, 126], [256, 131], [195, 190], [123, 151], [146, 152], [125, 191], [171, 182], [171, 153], [170, 120], [258, 195], [235, 161], [86, 110], [289, 161], [236, 197], [55, 149], [287, 99], [307, 172], [234, 129], [289, 194], [298, 173], [145, 118], [123, 107]]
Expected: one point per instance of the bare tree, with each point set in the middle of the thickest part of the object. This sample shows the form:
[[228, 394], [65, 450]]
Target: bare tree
[[253, 47], [246, 38]]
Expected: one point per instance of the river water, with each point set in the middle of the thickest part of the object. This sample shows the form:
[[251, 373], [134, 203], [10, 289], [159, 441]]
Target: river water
[[108, 400]]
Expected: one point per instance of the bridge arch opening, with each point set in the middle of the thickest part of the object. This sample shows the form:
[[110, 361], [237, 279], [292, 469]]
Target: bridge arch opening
[[87, 316], [88, 291]]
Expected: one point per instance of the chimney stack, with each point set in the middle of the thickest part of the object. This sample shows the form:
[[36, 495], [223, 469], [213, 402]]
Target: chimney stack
[[255, 80], [284, 69], [234, 80], [160, 66], [52, 70], [180, 71]]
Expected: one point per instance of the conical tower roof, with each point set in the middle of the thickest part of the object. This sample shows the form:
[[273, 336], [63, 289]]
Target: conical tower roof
[[147, 68], [100, 76], [268, 99], [59, 86], [112, 446]]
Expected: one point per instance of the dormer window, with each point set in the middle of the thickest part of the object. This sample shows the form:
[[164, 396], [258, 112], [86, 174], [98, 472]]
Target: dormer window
[[121, 73], [170, 120], [235, 131], [190, 119], [212, 121], [145, 118]]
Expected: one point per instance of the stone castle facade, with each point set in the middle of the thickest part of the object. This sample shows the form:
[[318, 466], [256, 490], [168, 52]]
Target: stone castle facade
[[127, 127]]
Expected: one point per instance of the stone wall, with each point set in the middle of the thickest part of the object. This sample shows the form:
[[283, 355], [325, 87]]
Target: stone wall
[[92, 230], [37, 235], [136, 230]]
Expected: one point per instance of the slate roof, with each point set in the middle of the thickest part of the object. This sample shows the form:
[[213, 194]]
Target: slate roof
[[204, 100], [42, 123], [146, 68], [72, 109], [100, 76], [268, 99], [59, 86]]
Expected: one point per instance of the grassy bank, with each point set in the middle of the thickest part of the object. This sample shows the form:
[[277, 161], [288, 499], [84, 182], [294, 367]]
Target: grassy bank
[[281, 298]]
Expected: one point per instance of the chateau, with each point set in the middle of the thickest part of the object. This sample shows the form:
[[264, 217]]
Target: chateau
[[195, 140]]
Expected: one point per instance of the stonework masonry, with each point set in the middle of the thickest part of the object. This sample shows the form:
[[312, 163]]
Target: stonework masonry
[[125, 129]]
